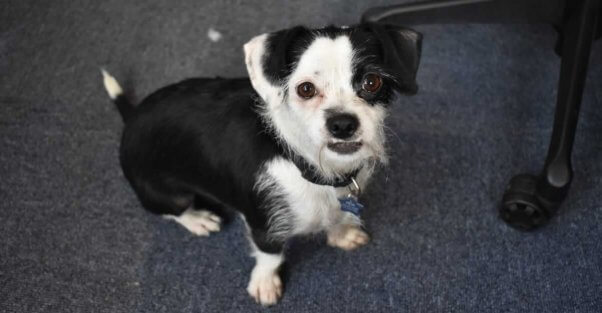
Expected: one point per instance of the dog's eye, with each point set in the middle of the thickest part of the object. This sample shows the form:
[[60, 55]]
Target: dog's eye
[[372, 83], [306, 90]]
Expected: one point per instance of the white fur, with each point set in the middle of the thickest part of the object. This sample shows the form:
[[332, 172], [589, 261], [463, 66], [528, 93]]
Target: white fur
[[265, 285], [111, 85], [254, 51], [198, 222], [301, 124], [310, 208], [347, 236]]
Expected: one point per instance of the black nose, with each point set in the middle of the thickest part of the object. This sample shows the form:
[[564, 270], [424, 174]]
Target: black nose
[[342, 126]]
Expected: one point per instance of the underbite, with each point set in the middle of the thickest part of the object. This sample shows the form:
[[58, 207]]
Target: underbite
[[345, 147]]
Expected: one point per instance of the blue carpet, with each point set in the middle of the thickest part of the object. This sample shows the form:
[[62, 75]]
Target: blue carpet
[[73, 237]]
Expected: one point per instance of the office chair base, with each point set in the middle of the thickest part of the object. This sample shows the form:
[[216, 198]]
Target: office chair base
[[522, 207]]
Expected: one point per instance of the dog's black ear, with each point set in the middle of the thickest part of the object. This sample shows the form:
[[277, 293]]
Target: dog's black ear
[[270, 59], [401, 49], [280, 53]]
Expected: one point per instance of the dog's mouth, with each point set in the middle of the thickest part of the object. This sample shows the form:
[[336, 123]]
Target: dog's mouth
[[345, 147]]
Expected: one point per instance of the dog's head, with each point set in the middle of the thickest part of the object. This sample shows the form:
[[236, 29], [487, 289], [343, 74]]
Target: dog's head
[[325, 91]]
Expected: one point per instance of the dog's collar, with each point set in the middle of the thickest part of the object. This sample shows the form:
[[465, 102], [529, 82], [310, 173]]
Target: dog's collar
[[311, 174]]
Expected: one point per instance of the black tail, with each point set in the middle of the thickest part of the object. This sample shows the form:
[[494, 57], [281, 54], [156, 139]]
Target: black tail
[[125, 107]]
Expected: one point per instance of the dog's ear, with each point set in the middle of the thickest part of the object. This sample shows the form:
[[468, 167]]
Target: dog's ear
[[401, 49], [269, 60]]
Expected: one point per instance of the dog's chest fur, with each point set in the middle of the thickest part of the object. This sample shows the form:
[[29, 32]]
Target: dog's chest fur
[[303, 207]]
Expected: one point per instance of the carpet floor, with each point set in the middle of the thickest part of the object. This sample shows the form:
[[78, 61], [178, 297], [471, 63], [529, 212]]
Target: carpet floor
[[74, 238]]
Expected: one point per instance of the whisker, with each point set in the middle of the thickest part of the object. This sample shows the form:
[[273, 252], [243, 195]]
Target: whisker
[[387, 128]]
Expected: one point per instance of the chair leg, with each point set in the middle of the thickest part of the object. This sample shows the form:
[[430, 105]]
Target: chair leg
[[468, 11], [530, 201]]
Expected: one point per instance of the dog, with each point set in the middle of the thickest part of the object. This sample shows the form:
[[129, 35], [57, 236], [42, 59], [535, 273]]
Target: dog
[[289, 148]]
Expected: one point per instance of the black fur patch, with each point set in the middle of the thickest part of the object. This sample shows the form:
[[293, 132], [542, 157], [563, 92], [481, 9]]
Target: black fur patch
[[283, 50], [200, 138]]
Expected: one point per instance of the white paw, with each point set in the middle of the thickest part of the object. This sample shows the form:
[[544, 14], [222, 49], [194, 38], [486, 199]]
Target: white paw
[[198, 222], [265, 287], [348, 237]]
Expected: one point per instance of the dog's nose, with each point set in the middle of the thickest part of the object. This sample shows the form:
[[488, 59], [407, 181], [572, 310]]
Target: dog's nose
[[342, 126]]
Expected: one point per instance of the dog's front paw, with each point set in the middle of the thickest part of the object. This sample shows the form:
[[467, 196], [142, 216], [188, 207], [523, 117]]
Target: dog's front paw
[[265, 287], [347, 237]]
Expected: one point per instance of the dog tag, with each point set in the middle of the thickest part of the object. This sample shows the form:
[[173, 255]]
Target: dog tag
[[350, 204]]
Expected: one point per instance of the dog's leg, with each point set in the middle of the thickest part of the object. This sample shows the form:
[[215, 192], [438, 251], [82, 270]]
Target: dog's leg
[[211, 204], [201, 218], [265, 285], [179, 206], [347, 234], [198, 222]]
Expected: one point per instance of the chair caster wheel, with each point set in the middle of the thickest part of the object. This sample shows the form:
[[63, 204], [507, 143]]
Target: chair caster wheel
[[521, 207]]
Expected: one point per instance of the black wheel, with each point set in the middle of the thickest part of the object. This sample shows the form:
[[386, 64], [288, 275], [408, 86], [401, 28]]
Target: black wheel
[[520, 207]]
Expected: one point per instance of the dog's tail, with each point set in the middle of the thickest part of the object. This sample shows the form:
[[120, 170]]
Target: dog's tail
[[125, 107]]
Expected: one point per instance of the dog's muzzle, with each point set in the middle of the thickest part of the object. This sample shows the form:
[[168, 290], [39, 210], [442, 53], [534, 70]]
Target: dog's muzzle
[[343, 126]]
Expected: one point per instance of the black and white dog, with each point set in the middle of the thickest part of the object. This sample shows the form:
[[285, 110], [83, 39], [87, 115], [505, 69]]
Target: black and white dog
[[289, 147]]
